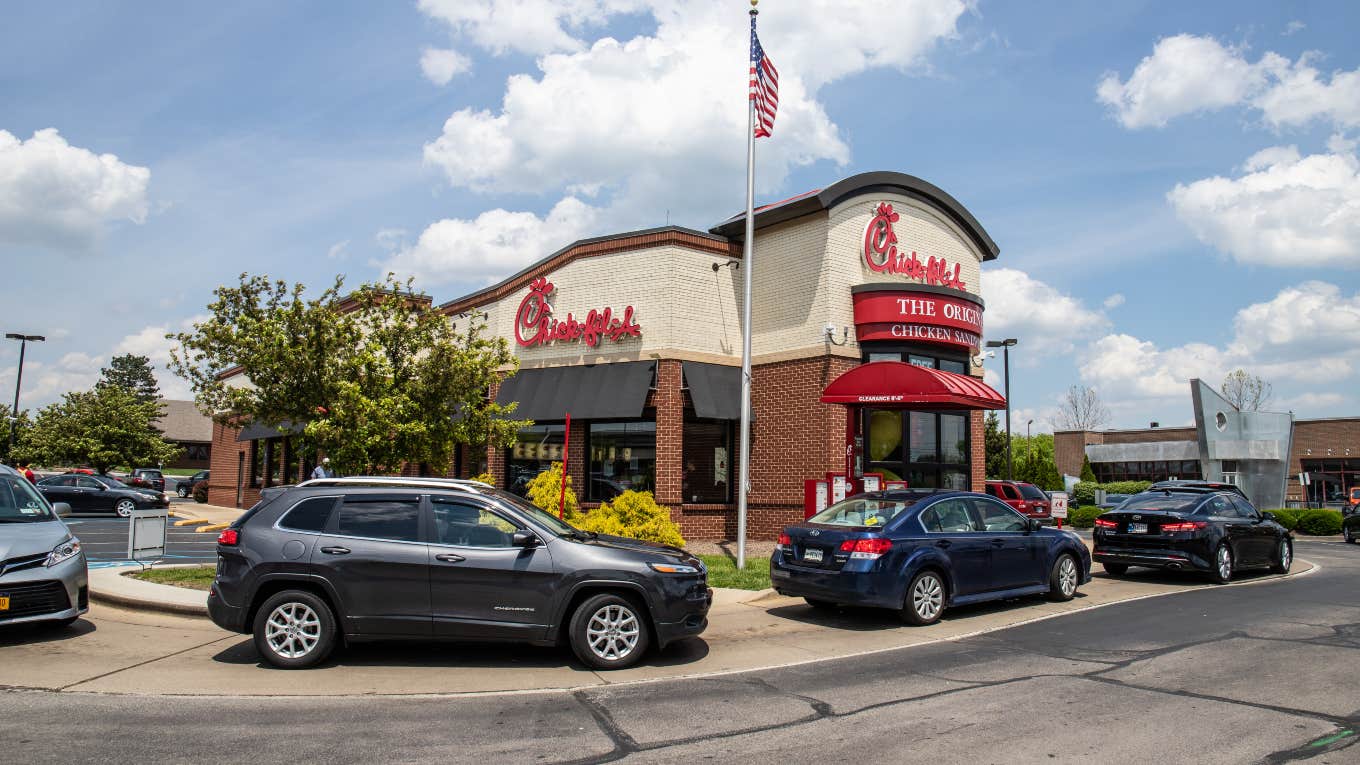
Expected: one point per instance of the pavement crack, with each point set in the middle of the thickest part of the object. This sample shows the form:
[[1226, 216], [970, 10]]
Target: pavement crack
[[143, 663], [624, 744]]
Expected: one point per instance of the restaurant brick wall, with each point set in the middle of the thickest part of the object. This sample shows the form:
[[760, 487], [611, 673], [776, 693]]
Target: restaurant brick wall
[[669, 401], [230, 458], [1321, 440]]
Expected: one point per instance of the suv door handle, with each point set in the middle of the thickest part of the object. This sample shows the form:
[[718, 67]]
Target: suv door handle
[[450, 558], [335, 550]]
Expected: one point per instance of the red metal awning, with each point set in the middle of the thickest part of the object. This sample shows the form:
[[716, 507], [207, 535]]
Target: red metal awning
[[898, 385]]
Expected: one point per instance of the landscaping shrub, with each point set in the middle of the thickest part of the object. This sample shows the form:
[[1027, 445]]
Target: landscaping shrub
[[633, 514], [1320, 523], [545, 491], [1083, 517], [1286, 518], [485, 478], [1125, 487], [200, 492], [1084, 493]]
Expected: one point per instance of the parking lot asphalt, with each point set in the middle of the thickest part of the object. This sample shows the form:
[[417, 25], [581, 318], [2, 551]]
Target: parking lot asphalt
[[105, 540], [1260, 672]]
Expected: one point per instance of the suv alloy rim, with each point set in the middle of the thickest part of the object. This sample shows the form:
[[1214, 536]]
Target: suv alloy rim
[[1067, 575], [1224, 562], [293, 630], [612, 632], [926, 597]]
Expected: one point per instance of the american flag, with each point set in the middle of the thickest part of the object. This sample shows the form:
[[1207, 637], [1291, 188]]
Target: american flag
[[764, 85]]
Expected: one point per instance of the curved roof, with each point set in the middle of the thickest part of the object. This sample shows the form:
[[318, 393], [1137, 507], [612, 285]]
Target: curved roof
[[881, 181], [897, 384]]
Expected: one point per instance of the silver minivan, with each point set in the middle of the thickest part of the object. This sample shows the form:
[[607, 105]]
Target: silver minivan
[[43, 576]]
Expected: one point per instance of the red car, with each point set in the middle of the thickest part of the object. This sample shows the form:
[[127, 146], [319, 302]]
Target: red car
[[1024, 497]]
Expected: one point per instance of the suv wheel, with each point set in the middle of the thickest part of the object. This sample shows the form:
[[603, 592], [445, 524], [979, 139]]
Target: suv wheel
[[608, 632], [183, 490], [294, 629]]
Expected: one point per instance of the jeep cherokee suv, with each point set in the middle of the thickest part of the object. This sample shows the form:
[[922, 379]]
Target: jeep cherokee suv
[[374, 558]]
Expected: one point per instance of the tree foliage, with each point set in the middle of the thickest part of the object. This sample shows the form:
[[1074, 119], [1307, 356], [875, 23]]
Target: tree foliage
[[133, 373], [633, 514], [376, 379], [1087, 474], [1247, 392], [6, 422], [994, 442], [1035, 462], [1080, 409], [106, 427]]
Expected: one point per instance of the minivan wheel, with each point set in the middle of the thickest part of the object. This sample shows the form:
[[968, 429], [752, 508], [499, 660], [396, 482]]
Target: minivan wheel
[[1284, 557], [125, 507], [1222, 571], [608, 632], [925, 599], [294, 629], [1062, 580]]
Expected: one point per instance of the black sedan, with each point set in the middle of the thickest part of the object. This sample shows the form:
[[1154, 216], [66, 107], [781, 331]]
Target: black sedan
[[99, 494], [1187, 528], [919, 552]]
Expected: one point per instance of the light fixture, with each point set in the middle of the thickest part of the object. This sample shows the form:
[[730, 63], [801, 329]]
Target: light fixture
[[733, 264], [829, 332]]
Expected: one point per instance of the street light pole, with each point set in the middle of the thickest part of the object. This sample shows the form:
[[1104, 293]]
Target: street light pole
[[1029, 449], [18, 381], [1005, 346]]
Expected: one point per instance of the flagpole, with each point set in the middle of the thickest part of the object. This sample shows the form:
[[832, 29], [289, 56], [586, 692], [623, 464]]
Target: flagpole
[[744, 484]]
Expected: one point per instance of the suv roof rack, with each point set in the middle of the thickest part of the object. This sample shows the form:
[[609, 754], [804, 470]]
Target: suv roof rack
[[365, 480]]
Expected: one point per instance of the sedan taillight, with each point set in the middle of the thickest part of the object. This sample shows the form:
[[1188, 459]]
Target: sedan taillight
[[1104, 524], [866, 549], [1171, 528], [784, 542]]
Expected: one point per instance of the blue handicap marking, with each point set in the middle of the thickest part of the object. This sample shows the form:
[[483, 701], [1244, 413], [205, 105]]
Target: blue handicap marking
[[109, 563]]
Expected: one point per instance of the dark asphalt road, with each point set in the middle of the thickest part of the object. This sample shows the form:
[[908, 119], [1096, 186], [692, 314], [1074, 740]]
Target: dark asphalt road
[[1265, 672], [105, 541]]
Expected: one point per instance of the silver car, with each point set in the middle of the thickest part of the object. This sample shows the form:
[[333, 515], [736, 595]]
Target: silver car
[[43, 577]]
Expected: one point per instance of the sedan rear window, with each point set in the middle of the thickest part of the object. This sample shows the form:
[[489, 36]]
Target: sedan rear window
[[862, 511], [1162, 501]]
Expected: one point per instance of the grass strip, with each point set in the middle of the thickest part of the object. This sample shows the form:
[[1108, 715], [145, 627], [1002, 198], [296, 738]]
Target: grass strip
[[722, 572], [196, 578]]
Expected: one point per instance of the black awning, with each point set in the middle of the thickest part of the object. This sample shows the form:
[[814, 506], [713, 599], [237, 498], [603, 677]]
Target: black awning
[[258, 430], [715, 389], [597, 392]]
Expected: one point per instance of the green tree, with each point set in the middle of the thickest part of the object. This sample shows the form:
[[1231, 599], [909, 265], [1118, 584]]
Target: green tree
[[1087, 474], [378, 378], [104, 428], [133, 373], [7, 422], [994, 443]]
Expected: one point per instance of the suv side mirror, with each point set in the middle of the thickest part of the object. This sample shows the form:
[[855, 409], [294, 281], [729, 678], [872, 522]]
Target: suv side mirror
[[62, 509], [525, 539]]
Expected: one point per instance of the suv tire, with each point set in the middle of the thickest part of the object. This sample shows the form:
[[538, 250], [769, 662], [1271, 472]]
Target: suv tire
[[294, 629], [608, 632]]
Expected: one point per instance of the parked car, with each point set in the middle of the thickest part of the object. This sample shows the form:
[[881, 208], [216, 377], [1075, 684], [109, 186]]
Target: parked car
[[99, 493], [1191, 528], [1350, 520], [919, 552], [1027, 498], [186, 485], [1112, 501], [368, 558], [148, 478], [43, 575], [1197, 484]]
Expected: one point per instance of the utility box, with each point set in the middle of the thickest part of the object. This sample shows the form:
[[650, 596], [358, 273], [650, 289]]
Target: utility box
[[146, 534]]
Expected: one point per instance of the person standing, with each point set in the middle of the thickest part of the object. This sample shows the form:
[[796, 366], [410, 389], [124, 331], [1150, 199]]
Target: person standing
[[324, 469], [27, 470]]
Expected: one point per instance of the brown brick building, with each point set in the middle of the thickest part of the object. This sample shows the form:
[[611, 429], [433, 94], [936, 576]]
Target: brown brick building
[[638, 337]]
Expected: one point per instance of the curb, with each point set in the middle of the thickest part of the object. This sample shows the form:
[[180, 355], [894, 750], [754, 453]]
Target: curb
[[144, 602]]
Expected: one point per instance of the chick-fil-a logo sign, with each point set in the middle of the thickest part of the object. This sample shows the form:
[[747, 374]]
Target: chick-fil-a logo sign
[[535, 325], [882, 256]]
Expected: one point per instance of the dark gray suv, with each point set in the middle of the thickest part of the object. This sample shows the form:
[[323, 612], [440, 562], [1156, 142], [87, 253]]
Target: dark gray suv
[[378, 558]]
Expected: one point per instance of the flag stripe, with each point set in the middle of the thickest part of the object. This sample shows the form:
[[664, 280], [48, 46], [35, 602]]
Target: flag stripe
[[764, 90]]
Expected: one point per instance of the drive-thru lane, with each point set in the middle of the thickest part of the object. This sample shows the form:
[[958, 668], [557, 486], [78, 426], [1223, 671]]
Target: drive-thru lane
[[1260, 672]]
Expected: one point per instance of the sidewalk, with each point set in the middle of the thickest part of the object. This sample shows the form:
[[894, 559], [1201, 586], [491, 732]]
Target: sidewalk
[[210, 513]]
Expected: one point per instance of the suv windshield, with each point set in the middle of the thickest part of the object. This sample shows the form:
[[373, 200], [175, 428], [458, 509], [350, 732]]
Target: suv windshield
[[538, 514], [862, 511], [1030, 491], [19, 503], [1162, 501]]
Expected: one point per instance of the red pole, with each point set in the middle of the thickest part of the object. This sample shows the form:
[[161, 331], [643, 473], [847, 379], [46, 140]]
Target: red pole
[[566, 450]]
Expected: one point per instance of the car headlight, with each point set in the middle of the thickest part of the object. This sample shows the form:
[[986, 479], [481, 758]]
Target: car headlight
[[673, 568], [63, 552]]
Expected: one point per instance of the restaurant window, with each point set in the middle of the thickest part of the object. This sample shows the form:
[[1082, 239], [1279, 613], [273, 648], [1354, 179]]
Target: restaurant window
[[708, 462], [535, 449], [935, 447], [264, 466], [622, 458]]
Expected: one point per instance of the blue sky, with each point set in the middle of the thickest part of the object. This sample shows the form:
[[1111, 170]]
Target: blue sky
[[1175, 188]]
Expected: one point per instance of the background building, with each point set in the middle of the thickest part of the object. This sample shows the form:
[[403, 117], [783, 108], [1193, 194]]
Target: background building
[[190, 431]]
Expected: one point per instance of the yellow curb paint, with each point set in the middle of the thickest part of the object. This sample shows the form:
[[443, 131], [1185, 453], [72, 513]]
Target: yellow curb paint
[[212, 527], [191, 521]]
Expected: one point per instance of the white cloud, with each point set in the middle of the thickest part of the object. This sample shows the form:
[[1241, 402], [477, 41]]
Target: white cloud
[[1113, 301], [1284, 210], [440, 65], [59, 196], [338, 251], [44, 383], [152, 343], [1044, 320], [1307, 334], [492, 245], [534, 27], [1294, 27], [1187, 74], [1312, 402]]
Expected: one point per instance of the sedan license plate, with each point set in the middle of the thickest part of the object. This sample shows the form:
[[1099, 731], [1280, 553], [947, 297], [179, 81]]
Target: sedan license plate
[[1137, 528], [812, 556], [4, 602]]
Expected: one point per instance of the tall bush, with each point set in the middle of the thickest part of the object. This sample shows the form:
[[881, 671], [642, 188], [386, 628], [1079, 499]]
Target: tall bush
[[633, 514], [1286, 518], [1320, 523], [545, 491], [1083, 517]]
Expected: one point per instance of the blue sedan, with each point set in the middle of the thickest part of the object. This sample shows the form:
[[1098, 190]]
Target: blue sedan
[[918, 552]]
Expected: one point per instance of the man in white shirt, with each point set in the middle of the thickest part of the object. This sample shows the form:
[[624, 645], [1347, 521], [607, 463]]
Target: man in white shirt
[[324, 469]]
